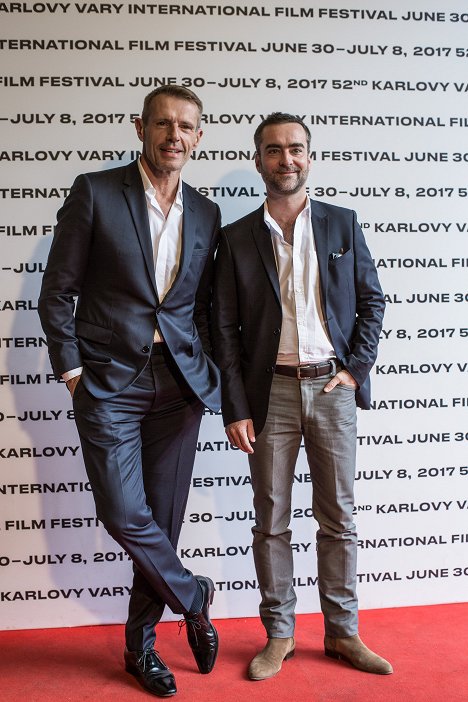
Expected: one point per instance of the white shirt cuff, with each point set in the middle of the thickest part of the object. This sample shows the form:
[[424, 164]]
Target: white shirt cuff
[[72, 373]]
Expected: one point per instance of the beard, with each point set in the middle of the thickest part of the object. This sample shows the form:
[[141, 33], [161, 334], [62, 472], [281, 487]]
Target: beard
[[285, 183]]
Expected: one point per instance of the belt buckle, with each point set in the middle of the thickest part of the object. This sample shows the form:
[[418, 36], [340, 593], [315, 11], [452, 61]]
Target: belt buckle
[[301, 368], [315, 366]]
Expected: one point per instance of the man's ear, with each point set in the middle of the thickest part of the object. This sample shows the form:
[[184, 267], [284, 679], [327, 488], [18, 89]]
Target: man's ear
[[257, 161], [199, 136], [140, 130]]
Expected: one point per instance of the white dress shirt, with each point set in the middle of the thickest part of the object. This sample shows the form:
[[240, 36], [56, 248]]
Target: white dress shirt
[[166, 235], [166, 238], [304, 338]]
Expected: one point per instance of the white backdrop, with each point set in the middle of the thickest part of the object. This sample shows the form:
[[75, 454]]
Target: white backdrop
[[384, 90]]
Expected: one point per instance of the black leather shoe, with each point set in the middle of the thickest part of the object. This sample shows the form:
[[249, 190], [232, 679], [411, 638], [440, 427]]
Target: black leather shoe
[[201, 634], [151, 672]]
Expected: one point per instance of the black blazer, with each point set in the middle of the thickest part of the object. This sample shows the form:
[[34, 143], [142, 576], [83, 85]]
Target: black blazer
[[102, 257], [247, 307]]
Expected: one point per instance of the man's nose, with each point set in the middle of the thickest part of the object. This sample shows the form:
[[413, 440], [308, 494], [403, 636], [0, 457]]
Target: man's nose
[[285, 158], [173, 132]]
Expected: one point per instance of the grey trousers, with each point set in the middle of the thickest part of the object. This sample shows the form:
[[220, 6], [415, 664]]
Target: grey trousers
[[300, 410]]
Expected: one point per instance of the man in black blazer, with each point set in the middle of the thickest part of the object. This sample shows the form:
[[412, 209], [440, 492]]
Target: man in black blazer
[[297, 314], [134, 249]]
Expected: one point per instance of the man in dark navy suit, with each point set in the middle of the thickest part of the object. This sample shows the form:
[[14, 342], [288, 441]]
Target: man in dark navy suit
[[134, 249], [297, 314]]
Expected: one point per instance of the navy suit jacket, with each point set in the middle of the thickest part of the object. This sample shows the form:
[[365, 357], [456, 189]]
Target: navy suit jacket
[[102, 258], [247, 307]]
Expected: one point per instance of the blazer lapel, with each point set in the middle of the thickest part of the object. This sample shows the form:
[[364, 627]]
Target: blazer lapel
[[189, 228], [262, 239], [320, 229], [135, 196]]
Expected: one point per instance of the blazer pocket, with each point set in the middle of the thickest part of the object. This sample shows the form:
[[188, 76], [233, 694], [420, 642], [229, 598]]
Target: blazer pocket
[[92, 332], [342, 260]]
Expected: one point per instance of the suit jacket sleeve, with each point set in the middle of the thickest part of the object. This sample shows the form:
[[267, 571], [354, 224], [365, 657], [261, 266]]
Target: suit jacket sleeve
[[226, 336], [64, 274], [203, 298], [370, 306]]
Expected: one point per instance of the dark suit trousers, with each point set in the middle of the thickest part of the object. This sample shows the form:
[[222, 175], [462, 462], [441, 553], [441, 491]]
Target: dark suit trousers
[[139, 450]]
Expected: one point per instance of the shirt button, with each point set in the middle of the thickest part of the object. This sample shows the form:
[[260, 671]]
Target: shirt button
[[145, 349]]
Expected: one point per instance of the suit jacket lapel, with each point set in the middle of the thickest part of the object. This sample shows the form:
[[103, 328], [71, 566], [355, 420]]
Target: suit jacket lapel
[[320, 228], [264, 244], [189, 228], [135, 196]]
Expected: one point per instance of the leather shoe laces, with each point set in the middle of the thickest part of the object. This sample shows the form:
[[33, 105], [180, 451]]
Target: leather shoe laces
[[151, 672], [194, 623], [147, 659]]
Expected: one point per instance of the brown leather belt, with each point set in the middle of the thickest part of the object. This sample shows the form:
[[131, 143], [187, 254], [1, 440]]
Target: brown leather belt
[[311, 370]]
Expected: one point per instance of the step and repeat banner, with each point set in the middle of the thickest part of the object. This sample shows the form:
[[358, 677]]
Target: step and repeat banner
[[383, 87]]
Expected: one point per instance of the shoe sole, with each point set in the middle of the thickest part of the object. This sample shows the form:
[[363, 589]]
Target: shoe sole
[[210, 584]]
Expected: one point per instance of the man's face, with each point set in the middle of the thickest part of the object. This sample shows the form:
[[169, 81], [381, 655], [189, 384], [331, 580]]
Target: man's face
[[282, 159], [170, 134]]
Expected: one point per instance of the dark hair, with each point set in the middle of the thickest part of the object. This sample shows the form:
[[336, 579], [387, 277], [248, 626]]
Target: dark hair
[[279, 118], [176, 91]]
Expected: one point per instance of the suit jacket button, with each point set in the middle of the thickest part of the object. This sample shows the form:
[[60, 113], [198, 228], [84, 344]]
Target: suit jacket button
[[270, 369], [145, 349], [276, 332]]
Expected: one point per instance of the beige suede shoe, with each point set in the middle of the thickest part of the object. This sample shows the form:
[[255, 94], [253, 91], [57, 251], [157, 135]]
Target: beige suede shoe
[[352, 650], [269, 661]]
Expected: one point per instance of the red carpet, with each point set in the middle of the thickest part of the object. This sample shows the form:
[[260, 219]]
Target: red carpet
[[428, 647]]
